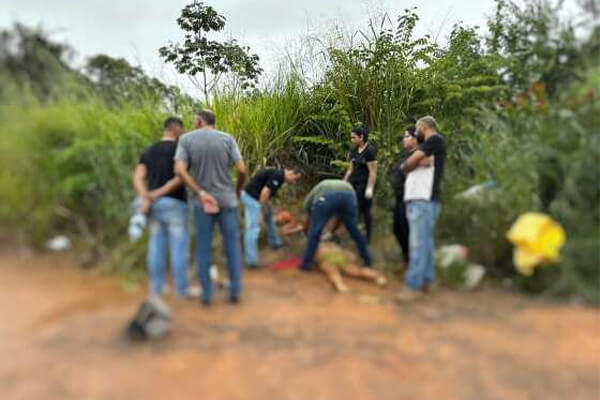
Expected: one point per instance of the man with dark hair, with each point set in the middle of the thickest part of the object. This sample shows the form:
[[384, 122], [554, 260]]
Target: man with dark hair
[[203, 160], [257, 198], [163, 198], [422, 195]]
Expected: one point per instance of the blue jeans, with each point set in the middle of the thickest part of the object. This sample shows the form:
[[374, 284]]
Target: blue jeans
[[168, 230], [422, 216], [340, 204], [252, 210], [229, 224]]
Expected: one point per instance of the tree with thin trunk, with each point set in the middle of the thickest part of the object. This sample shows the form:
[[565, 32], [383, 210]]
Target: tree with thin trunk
[[205, 61]]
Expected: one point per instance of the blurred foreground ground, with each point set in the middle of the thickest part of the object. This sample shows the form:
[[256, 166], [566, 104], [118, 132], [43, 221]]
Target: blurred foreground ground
[[291, 338]]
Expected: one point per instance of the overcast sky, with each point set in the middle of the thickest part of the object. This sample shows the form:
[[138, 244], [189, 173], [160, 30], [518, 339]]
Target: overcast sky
[[135, 29]]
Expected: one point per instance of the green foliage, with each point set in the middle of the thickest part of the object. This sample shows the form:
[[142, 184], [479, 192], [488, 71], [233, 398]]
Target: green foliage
[[518, 107], [209, 58]]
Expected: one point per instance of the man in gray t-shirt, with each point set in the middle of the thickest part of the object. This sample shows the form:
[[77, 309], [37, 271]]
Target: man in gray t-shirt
[[203, 160]]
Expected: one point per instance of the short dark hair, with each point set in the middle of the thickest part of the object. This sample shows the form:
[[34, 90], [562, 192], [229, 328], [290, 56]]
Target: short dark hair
[[412, 131], [361, 131], [207, 116], [169, 122]]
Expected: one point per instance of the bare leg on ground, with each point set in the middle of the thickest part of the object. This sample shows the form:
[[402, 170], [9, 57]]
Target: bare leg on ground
[[334, 276]]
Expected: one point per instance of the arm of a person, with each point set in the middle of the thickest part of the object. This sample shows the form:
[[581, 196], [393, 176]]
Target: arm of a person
[[413, 161], [265, 195], [306, 224], [181, 170], [426, 162], [139, 180], [167, 188], [372, 166], [348, 173], [240, 169]]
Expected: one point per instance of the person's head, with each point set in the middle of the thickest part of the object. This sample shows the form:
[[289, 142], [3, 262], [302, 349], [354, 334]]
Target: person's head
[[359, 136], [204, 118], [426, 127], [173, 127], [410, 140], [291, 175]]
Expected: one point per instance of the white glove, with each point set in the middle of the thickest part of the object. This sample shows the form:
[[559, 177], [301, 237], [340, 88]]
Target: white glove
[[369, 193]]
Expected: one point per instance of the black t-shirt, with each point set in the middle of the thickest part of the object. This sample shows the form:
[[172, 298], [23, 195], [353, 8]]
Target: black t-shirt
[[159, 161], [396, 175], [360, 172], [436, 146], [273, 178]]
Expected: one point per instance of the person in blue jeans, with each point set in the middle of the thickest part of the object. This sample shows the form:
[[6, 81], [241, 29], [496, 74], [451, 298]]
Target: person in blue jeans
[[163, 199], [203, 160], [332, 198], [422, 195], [256, 198]]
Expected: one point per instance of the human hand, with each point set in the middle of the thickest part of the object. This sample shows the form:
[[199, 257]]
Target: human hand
[[426, 162], [208, 202], [369, 193], [145, 205], [153, 195]]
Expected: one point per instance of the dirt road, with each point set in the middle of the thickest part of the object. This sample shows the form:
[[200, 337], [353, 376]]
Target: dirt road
[[291, 338]]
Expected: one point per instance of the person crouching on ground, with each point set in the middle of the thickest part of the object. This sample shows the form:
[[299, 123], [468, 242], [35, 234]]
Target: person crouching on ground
[[256, 198], [332, 198]]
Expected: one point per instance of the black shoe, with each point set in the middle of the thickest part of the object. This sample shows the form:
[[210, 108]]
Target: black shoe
[[206, 302], [234, 299]]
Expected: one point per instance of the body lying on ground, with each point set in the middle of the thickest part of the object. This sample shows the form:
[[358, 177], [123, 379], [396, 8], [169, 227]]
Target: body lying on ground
[[334, 261]]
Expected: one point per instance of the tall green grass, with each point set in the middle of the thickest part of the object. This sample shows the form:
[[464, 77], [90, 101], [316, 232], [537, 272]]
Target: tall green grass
[[66, 162]]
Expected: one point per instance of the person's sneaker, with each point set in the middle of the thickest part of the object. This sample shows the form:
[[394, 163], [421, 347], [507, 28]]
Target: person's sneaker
[[206, 302], [193, 291], [234, 299], [407, 295]]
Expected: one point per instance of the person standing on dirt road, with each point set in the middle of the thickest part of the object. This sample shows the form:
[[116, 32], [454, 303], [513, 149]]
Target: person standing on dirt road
[[163, 198], [362, 174], [332, 198], [422, 195], [397, 177], [256, 198], [203, 160]]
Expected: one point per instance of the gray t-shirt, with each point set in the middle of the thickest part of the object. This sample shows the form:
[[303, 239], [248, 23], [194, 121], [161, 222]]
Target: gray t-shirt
[[210, 155], [325, 186]]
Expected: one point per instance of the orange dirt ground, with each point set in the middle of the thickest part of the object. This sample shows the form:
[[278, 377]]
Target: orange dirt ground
[[292, 337]]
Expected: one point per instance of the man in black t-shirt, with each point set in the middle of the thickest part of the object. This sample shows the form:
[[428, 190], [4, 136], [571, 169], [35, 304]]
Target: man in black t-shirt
[[422, 194], [163, 198], [256, 197]]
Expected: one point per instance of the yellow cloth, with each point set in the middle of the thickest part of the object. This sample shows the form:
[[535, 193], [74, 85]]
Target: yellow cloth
[[537, 239]]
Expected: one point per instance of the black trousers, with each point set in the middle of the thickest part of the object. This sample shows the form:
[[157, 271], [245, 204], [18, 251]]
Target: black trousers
[[401, 226], [364, 209]]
